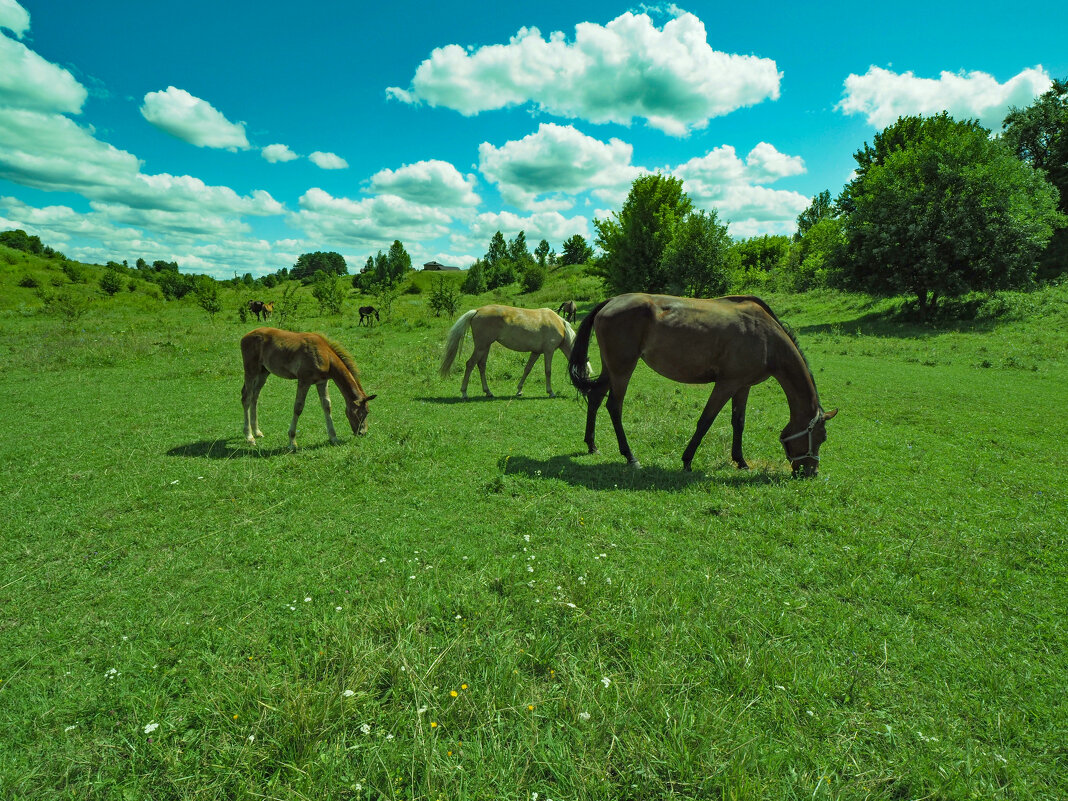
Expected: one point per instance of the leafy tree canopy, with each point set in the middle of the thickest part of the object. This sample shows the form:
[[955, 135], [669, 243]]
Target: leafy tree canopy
[[938, 208], [308, 263], [633, 240], [575, 250]]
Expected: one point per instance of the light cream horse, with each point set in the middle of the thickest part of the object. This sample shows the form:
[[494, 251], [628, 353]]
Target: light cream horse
[[535, 331], [310, 359]]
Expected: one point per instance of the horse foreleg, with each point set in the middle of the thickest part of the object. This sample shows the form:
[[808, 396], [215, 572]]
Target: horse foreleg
[[738, 425], [324, 399], [549, 373], [720, 394], [298, 407], [526, 371], [250, 400]]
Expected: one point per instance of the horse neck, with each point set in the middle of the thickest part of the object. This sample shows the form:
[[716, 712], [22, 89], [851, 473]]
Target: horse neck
[[796, 381], [347, 383]]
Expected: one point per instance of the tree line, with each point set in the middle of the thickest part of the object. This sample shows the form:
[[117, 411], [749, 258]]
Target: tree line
[[936, 208]]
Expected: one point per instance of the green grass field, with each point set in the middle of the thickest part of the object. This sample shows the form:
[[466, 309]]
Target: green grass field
[[465, 605]]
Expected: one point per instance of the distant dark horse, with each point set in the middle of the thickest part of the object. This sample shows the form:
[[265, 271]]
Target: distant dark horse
[[258, 307], [734, 342], [370, 314], [568, 310]]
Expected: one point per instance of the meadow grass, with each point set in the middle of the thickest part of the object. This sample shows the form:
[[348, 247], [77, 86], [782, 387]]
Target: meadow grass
[[464, 604]]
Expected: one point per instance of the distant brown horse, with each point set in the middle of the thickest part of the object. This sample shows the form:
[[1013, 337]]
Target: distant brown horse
[[537, 331], [735, 342], [310, 359], [258, 307], [370, 314], [568, 310]]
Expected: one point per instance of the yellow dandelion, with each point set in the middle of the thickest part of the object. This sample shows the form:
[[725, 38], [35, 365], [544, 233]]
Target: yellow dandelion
[[433, 724], [530, 707], [453, 693], [235, 717], [463, 686]]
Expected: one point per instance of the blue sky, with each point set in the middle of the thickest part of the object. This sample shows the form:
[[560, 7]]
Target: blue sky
[[233, 136]]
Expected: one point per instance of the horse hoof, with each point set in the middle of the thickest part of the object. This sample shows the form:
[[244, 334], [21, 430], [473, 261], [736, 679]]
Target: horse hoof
[[593, 450], [743, 465], [686, 467], [635, 464]]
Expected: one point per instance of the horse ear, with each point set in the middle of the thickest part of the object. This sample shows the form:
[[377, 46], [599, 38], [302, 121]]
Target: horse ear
[[372, 397], [830, 414]]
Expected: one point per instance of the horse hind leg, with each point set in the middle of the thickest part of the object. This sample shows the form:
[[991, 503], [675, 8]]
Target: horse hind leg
[[593, 404], [250, 401]]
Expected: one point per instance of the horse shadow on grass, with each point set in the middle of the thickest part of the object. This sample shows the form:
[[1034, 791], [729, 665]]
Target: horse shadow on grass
[[451, 400], [235, 448], [570, 469]]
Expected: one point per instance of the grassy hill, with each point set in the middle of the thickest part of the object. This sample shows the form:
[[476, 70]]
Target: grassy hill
[[464, 604]]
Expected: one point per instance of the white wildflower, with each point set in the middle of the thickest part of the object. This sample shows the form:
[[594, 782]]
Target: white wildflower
[[606, 681], [151, 727], [366, 728]]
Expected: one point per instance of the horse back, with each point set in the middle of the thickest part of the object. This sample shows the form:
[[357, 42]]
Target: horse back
[[286, 354], [691, 340]]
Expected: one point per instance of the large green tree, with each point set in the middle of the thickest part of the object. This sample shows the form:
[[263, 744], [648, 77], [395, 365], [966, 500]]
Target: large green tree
[[575, 250], [1038, 135], [938, 208], [696, 257], [309, 263], [819, 209], [633, 239]]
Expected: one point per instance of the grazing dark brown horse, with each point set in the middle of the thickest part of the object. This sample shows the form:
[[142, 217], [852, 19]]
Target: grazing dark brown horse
[[258, 307], [537, 331], [370, 314], [735, 342], [568, 310], [310, 359]]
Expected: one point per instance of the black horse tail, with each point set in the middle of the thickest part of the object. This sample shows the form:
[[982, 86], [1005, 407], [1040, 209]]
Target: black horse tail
[[578, 364]]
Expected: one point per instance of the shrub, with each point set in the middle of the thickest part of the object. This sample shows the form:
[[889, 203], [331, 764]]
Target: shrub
[[29, 282], [444, 297], [111, 282]]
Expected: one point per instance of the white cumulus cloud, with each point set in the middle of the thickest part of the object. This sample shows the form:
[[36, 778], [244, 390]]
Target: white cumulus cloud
[[723, 181], [327, 161], [192, 120], [27, 81], [366, 223], [277, 153], [627, 69], [14, 17], [556, 159], [432, 182], [882, 96]]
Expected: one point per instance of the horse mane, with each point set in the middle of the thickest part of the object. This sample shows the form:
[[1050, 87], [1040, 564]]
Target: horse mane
[[346, 358], [785, 328], [569, 332]]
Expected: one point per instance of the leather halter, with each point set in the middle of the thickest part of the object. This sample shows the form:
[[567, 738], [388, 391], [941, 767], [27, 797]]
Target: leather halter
[[807, 430]]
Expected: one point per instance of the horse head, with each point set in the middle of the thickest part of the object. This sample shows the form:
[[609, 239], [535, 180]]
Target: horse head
[[803, 447], [356, 411]]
